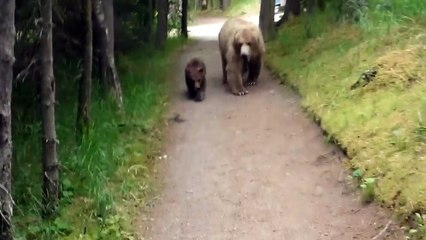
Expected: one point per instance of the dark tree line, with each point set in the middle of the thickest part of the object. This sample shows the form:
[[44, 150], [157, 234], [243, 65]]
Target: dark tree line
[[345, 9], [42, 34], [7, 42], [294, 7]]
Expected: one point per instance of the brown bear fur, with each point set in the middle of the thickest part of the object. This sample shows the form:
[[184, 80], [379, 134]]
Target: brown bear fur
[[235, 36], [195, 78]]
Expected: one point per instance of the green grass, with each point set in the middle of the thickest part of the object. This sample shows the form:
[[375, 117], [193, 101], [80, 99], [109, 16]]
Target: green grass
[[242, 7], [381, 125], [237, 8], [107, 179]]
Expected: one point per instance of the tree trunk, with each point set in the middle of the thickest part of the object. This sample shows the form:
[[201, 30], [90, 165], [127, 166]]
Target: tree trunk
[[50, 161], [148, 20], [83, 111], [291, 7], [103, 62], [108, 7], [162, 9], [104, 11], [151, 9], [7, 43], [311, 8], [266, 19], [224, 4], [184, 21], [203, 4], [321, 5]]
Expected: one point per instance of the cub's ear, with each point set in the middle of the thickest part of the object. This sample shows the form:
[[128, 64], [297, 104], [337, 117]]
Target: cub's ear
[[186, 71], [204, 68]]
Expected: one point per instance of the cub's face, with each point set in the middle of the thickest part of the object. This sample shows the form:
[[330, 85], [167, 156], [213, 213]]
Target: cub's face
[[197, 74], [245, 43]]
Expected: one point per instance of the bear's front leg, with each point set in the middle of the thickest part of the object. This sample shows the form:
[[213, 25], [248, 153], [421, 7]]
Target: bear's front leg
[[241, 90], [240, 87], [235, 83], [224, 79], [255, 66]]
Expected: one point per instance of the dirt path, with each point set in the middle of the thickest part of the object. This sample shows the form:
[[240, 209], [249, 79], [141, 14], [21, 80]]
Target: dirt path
[[251, 167]]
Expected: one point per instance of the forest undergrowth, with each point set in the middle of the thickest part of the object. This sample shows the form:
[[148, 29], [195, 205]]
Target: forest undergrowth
[[106, 180]]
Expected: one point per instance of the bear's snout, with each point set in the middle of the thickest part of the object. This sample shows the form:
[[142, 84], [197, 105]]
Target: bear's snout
[[245, 51], [197, 85]]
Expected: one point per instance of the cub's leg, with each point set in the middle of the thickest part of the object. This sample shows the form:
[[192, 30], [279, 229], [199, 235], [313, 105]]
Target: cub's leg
[[202, 91], [255, 66], [191, 88]]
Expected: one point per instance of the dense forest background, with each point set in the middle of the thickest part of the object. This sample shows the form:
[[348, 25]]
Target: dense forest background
[[84, 106], [87, 75]]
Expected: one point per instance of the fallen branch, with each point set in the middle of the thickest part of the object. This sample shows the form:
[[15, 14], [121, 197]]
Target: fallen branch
[[24, 73], [383, 231]]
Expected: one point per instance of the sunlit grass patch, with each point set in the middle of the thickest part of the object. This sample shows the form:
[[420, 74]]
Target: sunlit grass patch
[[242, 7], [236, 8]]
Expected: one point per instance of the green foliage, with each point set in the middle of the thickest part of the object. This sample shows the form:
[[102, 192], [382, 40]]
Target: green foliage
[[241, 7], [367, 187], [417, 226], [90, 189], [93, 184], [236, 8], [380, 125], [358, 173], [366, 184]]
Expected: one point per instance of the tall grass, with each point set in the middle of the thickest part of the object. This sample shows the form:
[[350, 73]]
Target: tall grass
[[93, 185], [379, 125], [385, 14]]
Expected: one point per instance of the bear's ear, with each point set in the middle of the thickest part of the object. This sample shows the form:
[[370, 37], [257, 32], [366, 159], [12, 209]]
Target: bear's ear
[[236, 42], [254, 40]]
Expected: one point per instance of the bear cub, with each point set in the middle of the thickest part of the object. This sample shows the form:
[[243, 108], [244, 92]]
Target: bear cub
[[195, 77]]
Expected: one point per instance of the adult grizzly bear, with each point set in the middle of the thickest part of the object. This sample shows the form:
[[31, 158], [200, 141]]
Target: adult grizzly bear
[[242, 49], [195, 77]]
